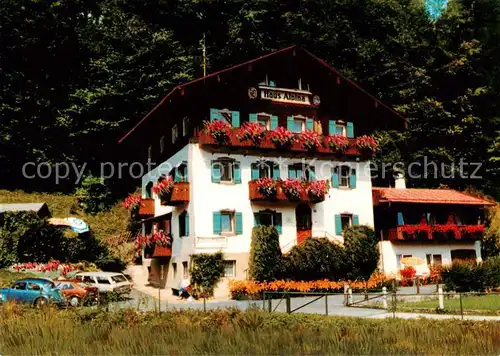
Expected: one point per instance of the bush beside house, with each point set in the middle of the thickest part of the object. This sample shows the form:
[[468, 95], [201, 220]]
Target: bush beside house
[[265, 254], [206, 271], [472, 276]]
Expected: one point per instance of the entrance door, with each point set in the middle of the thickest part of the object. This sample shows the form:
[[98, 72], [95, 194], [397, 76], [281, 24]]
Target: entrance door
[[303, 216]]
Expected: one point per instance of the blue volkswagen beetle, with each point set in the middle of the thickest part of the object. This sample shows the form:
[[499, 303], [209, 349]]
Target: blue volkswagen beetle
[[35, 291]]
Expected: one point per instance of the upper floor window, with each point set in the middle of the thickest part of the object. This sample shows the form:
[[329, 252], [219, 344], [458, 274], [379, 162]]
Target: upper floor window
[[344, 221], [298, 124], [344, 177], [268, 218], [184, 224], [265, 169], [226, 170], [185, 126], [231, 117], [227, 222], [264, 120], [162, 144], [175, 133], [270, 122], [149, 190], [339, 127], [301, 171]]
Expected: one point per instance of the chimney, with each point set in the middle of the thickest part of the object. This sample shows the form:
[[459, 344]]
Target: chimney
[[399, 181]]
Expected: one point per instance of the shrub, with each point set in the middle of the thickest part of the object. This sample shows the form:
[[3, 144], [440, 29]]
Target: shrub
[[491, 273], [111, 265], [463, 277], [265, 254], [315, 259], [206, 271], [362, 254], [94, 195]]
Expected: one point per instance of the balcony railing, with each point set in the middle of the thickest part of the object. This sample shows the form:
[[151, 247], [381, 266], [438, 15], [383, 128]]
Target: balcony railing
[[266, 144], [436, 232], [303, 194], [179, 194], [147, 207], [161, 251]]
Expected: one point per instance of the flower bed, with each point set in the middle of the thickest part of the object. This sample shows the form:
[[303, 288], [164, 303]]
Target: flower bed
[[219, 130], [254, 290], [163, 188], [267, 187], [317, 190], [251, 131], [310, 140], [132, 203], [292, 188], [53, 269], [337, 143]]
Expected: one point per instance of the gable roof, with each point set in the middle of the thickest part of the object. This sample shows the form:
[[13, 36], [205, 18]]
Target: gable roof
[[261, 58], [425, 196]]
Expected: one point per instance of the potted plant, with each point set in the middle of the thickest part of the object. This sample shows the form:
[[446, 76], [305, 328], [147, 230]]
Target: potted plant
[[366, 145], [132, 203], [161, 239], [445, 231], [164, 188], [266, 187], [218, 130], [310, 140], [141, 241], [337, 143], [292, 188], [472, 231], [252, 131], [282, 138], [317, 190]]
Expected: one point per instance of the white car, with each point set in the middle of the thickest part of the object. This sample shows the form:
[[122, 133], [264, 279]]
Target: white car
[[106, 281]]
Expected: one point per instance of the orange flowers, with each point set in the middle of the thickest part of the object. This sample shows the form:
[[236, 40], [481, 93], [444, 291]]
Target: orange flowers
[[252, 289]]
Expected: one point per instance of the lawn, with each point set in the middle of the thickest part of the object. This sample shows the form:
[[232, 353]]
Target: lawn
[[485, 304], [233, 332]]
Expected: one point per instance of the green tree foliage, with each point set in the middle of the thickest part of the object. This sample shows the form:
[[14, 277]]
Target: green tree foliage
[[361, 252], [206, 271], [315, 259], [94, 195], [86, 71], [265, 254]]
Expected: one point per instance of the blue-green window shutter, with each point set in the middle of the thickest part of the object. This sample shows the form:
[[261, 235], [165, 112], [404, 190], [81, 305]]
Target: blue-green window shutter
[[350, 130], [331, 127], [177, 175], [401, 221], [274, 122], [235, 118], [255, 171], [352, 179], [256, 219], [278, 222], [335, 177], [186, 173], [237, 172], [186, 223], [216, 172], [239, 223], [214, 114], [272, 84], [216, 222], [290, 123], [252, 117], [292, 172], [355, 220], [276, 171], [309, 124], [338, 225]]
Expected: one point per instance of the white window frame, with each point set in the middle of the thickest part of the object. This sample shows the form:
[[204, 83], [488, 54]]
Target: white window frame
[[343, 127], [347, 182], [265, 167], [232, 264], [303, 122], [175, 133], [226, 165], [267, 118], [232, 222], [343, 216]]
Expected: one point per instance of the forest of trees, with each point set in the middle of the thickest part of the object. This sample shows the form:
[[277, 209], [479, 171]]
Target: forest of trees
[[76, 74]]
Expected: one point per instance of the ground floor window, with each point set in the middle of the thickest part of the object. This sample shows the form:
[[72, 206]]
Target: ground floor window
[[346, 220], [268, 218], [185, 270], [463, 255], [230, 268], [434, 260]]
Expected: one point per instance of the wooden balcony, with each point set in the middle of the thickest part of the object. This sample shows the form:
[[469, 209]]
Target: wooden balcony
[[147, 207], [161, 251], [179, 194], [266, 145], [256, 195], [435, 232]]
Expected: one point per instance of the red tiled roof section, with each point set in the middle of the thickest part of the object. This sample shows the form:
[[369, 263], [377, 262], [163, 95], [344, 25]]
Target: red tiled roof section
[[426, 196]]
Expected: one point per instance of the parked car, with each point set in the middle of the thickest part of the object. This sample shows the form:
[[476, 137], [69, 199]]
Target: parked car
[[78, 293], [35, 291], [106, 281]]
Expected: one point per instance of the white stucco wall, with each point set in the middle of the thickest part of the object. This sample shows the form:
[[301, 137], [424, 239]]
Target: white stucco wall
[[390, 250]]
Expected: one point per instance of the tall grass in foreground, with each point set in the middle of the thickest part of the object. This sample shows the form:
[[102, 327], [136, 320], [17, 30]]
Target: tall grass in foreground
[[97, 332]]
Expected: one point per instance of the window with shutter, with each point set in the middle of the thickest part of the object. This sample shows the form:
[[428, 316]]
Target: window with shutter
[[226, 170]]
